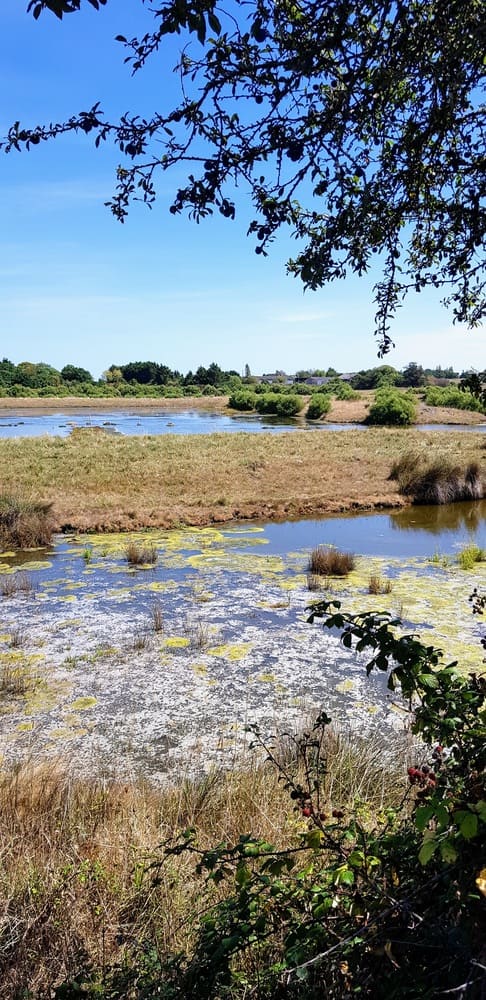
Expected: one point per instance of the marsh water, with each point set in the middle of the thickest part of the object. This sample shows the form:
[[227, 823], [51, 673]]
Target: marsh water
[[146, 669], [18, 423]]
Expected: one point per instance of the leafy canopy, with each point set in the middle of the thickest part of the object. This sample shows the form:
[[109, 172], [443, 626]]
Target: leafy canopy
[[357, 125]]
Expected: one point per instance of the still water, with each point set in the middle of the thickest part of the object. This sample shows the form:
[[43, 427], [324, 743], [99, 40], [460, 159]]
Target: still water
[[27, 424], [232, 645]]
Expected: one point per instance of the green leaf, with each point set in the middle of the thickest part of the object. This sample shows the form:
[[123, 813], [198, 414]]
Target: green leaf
[[427, 850], [469, 826], [423, 816], [448, 852]]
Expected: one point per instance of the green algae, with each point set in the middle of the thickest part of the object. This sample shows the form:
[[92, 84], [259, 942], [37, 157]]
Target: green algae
[[229, 651], [83, 703], [25, 727], [176, 642]]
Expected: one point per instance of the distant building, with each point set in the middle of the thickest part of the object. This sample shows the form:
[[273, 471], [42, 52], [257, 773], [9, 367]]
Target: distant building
[[277, 378], [314, 380], [347, 376]]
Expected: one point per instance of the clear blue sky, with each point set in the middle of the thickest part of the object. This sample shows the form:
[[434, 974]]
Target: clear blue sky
[[78, 287]]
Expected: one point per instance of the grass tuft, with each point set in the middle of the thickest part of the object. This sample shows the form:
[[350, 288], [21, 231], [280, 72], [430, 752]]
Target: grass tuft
[[439, 481], [24, 524], [379, 585], [140, 555], [327, 561], [470, 555], [16, 583]]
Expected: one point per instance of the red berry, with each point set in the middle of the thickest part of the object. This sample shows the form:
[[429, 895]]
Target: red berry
[[307, 811], [337, 813]]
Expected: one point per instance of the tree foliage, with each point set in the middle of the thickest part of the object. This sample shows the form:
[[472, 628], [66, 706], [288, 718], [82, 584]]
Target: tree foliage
[[357, 125]]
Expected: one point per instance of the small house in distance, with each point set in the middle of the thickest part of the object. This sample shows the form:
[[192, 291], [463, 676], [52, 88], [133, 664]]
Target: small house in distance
[[277, 378]]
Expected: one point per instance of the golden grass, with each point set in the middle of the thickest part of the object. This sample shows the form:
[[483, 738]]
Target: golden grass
[[328, 561], [98, 481], [75, 887]]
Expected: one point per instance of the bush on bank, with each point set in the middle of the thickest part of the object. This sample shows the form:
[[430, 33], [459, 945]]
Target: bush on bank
[[454, 397], [393, 408], [319, 405], [282, 405]]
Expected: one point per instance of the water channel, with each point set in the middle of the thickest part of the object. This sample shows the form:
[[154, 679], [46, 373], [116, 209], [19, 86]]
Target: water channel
[[26, 423], [147, 670]]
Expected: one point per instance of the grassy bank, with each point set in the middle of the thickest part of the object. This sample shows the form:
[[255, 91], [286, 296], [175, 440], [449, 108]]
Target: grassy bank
[[97, 481]]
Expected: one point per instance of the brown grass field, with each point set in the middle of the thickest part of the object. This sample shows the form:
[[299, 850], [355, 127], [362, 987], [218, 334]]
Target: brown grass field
[[96, 481]]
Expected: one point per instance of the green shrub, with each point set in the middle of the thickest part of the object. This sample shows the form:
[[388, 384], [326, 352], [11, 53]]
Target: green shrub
[[452, 396], [319, 405], [393, 407], [283, 405], [244, 399], [342, 390]]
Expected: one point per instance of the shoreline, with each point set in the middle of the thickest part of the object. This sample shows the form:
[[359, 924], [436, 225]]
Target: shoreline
[[342, 411]]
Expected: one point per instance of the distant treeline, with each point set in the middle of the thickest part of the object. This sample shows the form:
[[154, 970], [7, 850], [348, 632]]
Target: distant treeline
[[149, 378]]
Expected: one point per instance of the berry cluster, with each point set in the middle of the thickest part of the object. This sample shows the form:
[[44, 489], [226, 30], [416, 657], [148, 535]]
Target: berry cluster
[[424, 776]]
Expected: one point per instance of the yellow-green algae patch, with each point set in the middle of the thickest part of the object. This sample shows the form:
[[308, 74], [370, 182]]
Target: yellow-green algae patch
[[432, 603], [35, 564], [64, 733], [83, 703], [176, 642], [228, 651]]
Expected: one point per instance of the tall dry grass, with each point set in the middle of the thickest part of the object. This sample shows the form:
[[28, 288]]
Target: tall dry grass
[[76, 888], [325, 560], [24, 523], [434, 480]]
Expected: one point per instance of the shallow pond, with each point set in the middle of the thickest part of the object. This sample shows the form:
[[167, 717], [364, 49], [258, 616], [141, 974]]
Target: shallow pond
[[160, 667], [27, 424]]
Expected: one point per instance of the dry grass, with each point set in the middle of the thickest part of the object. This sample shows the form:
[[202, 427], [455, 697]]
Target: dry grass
[[105, 482], [438, 480], [140, 555], [74, 885], [379, 585], [328, 561], [24, 523], [16, 583]]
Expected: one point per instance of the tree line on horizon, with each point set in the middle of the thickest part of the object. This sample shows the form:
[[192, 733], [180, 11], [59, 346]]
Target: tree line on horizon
[[153, 378]]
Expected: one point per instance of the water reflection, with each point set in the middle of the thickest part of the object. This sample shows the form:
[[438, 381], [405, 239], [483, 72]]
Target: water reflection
[[452, 517]]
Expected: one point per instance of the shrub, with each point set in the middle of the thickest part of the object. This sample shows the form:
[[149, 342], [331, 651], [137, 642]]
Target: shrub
[[281, 404], [342, 390], [436, 482], [319, 405], [24, 523], [328, 561], [243, 399], [140, 555], [453, 396], [392, 407]]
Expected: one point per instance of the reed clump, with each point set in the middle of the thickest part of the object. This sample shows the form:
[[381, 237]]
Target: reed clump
[[140, 555], [325, 560], [24, 524], [16, 583], [379, 585], [437, 480]]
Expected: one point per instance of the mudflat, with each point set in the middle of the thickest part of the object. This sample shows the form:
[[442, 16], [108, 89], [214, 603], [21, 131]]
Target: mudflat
[[101, 482]]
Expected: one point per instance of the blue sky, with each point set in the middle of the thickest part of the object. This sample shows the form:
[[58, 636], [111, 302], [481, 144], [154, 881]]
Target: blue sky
[[78, 287]]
